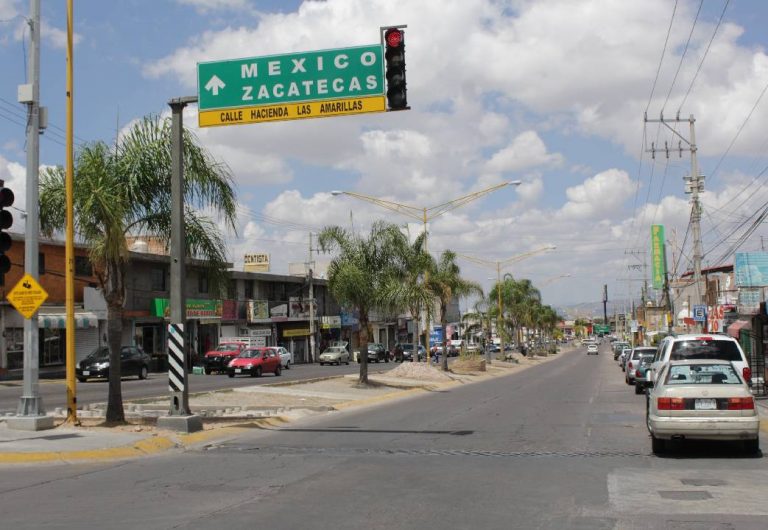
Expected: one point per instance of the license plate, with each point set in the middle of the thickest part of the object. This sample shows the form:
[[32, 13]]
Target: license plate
[[238, 371], [86, 372], [706, 404]]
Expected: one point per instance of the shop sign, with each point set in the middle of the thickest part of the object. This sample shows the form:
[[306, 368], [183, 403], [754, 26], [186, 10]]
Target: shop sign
[[301, 307], [715, 319], [257, 262], [349, 319], [328, 322], [751, 269], [196, 309], [749, 300], [658, 258], [279, 311], [229, 310], [297, 332], [258, 310]]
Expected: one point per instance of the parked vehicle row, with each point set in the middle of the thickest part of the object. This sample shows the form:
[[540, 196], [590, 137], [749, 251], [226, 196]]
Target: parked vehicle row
[[697, 387]]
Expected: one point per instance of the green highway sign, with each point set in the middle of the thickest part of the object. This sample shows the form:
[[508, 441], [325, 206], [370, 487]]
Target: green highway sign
[[289, 86]]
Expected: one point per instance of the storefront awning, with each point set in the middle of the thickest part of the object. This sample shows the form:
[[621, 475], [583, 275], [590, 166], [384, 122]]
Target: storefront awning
[[733, 329], [59, 320]]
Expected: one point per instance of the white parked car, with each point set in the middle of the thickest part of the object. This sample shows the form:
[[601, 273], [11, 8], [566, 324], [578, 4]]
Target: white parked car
[[701, 400], [286, 357], [700, 347], [592, 348]]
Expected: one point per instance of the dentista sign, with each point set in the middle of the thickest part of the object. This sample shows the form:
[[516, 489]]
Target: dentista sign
[[291, 86]]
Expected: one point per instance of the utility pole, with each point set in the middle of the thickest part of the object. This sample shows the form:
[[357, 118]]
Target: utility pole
[[30, 414], [310, 266], [694, 184], [179, 416]]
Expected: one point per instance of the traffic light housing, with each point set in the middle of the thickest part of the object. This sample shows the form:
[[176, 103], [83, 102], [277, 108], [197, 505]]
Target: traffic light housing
[[394, 58], [6, 220]]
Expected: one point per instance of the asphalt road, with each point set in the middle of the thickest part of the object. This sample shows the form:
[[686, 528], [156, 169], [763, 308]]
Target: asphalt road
[[54, 391], [560, 445]]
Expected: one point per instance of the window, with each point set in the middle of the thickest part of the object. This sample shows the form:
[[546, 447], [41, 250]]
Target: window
[[202, 284], [157, 276], [721, 350], [248, 289], [83, 266], [41, 263], [232, 289], [702, 374]]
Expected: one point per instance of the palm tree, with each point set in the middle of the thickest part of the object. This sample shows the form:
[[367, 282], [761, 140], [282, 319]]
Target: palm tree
[[408, 288], [359, 275], [126, 190], [479, 321], [519, 297], [446, 282]]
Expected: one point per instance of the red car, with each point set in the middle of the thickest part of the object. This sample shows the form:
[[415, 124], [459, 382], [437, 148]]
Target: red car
[[218, 359], [255, 361]]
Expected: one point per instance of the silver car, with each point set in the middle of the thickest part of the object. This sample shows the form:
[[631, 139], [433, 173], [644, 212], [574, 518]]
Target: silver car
[[632, 362], [334, 355], [702, 400]]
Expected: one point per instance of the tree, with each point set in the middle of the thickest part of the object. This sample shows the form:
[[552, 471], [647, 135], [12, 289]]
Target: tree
[[446, 282], [518, 298], [359, 274], [407, 288], [126, 190]]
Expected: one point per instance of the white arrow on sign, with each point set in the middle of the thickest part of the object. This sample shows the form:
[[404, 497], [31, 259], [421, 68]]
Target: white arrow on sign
[[214, 84]]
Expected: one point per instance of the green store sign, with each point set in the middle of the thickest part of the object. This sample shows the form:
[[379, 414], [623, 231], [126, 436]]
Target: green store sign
[[161, 307]]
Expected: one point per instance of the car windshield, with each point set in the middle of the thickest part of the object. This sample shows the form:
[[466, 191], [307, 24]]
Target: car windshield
[[334, 349], [408, 347], [226, 347], [249, 354], [724, 350], [702, 374], [99, 354]]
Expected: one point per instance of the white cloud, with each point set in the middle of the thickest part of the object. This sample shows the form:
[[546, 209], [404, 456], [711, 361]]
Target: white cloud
[[206, 6], [530, 191], [599, 196], [526, 150]]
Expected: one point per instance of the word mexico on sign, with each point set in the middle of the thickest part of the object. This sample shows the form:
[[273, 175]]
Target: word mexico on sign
[[291, 86]]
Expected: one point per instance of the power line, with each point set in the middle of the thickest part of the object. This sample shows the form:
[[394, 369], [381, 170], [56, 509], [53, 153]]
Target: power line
[[661, 60], [682, 56], [706, 52]]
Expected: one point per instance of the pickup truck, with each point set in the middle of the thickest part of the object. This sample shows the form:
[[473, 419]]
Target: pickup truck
[[218, 359]]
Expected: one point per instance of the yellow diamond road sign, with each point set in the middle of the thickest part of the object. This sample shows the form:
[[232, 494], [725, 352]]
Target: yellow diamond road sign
[[27, 296]]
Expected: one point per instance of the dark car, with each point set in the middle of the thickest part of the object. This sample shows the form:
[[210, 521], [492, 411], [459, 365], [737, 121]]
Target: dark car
[[404, 352], [376, 353], [133, 361]]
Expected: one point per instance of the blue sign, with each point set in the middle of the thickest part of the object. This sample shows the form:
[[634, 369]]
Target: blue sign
[[436, 336], [751, 269], [700, 313]]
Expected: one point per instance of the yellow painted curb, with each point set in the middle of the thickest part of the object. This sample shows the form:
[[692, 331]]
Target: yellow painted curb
[[142, 447], [764, 425]]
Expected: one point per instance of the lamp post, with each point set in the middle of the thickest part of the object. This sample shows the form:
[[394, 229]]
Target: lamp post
[[426, 214], [554, 279], [499, 264]]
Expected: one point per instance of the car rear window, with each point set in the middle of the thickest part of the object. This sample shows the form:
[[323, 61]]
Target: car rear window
[[637, 354], [702, 374], [724, 350]]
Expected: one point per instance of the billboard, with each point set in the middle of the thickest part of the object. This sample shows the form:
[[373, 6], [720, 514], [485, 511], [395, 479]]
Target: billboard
[[256, 262], [658, 258], [751, 269]]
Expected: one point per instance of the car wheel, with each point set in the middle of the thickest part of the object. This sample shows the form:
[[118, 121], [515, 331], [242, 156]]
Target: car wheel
[[347, 362], [258, 371], [288, 365], [752, 447], [82, 379], [278, 370], [638, 389], [207, 371], [386, 359], [657, 445], [322, 364], [231, 374], [143, 372]]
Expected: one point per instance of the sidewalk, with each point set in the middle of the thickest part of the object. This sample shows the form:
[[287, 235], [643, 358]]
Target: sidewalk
[[228, 413]]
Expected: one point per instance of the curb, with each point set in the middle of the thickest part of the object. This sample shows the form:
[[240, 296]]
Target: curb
[[145, 447]]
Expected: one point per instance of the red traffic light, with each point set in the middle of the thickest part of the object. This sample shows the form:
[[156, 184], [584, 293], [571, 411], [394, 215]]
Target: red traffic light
[[393, 37]]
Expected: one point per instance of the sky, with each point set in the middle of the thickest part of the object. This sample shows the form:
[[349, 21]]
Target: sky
[[549, 92]]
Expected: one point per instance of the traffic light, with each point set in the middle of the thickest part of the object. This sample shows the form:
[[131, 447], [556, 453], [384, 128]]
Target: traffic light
[[394, 56], [6, 220]]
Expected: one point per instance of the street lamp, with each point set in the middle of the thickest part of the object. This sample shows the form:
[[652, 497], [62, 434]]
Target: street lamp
[[425, 214], [499, 264], [554, 279]]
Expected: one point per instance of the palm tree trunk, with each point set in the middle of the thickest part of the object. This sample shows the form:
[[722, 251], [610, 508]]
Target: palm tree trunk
[[363, 358], [115, 413], [444, 323]]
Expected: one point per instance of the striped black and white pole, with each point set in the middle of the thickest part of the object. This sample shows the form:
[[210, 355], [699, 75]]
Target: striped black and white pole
[[176, 357]]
